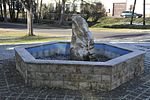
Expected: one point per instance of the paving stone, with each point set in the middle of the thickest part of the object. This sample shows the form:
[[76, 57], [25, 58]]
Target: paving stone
[[3, 98], [15, 95], [138, 91], [143, 97], [78, 98], [138, 99], [40, 99], [52, 99], [42, 96], [5, 94], [11, 98], [24, 95], [21, 98], [130, 97], [146, 94], [134, 94], [30, 99], [51, 96]]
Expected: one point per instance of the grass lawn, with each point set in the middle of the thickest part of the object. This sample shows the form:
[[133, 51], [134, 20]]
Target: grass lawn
[[120, 23], [20, 37]]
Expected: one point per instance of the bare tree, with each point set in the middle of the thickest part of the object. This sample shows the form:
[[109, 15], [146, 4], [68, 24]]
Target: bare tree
[[74, 6], [1, 10], [62, 12], [37, 14], [14, 9], [28, 4], [40, 10], [11, 9], [5, 11], [37, 10], [18, 7]]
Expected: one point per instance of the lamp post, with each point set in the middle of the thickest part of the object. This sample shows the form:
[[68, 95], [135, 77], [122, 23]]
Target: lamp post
[[133, 12], [143, 12]]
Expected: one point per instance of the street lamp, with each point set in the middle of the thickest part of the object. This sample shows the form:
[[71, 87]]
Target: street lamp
[[143, 12]]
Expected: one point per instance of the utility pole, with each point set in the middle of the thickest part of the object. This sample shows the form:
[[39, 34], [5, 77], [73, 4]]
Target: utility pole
[[143, 12], [133, 12]]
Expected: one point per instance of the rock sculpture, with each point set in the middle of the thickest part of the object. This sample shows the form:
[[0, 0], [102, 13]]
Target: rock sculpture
[[82, 42]]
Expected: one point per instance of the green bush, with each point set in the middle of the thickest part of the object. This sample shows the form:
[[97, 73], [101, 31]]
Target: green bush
[[93, 12]]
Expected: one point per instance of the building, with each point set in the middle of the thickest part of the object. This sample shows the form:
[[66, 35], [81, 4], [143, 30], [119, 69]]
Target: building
[[115, 7]]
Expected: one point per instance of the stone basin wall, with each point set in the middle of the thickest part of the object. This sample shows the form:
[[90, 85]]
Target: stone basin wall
[[79, 75], [66, 76], [127, 70]]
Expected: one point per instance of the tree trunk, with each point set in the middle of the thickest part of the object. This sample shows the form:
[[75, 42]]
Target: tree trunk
[[143, 12], [10, 8], [18, 11], [11, 5], [28, 4], [30, 21], [23, 14], [1, 10], [62, 12], [5, 11], [133, 12], [40, 12], [37, 11], [13, 11], [74, 6]]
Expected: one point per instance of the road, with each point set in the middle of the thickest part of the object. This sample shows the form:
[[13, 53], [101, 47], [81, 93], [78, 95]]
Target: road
[[66, 31]]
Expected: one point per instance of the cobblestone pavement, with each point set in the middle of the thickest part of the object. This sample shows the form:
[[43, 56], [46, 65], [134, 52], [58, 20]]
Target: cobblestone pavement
[[12, 85]]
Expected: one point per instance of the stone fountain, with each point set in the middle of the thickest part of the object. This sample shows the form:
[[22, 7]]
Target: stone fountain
[[82, 42], [81, 64]]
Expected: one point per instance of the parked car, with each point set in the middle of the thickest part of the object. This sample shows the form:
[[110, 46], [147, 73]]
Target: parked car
[[128, 14]]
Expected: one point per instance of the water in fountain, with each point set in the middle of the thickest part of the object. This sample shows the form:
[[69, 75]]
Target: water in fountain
[[82, 44]]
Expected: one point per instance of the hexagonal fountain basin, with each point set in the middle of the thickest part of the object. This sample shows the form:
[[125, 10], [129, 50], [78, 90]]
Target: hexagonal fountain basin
[[59, 71]]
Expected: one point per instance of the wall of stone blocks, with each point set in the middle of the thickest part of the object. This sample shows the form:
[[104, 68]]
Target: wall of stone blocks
[[78, 77], [66, 76], [20, 65], [69, 76], [127, 70]]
